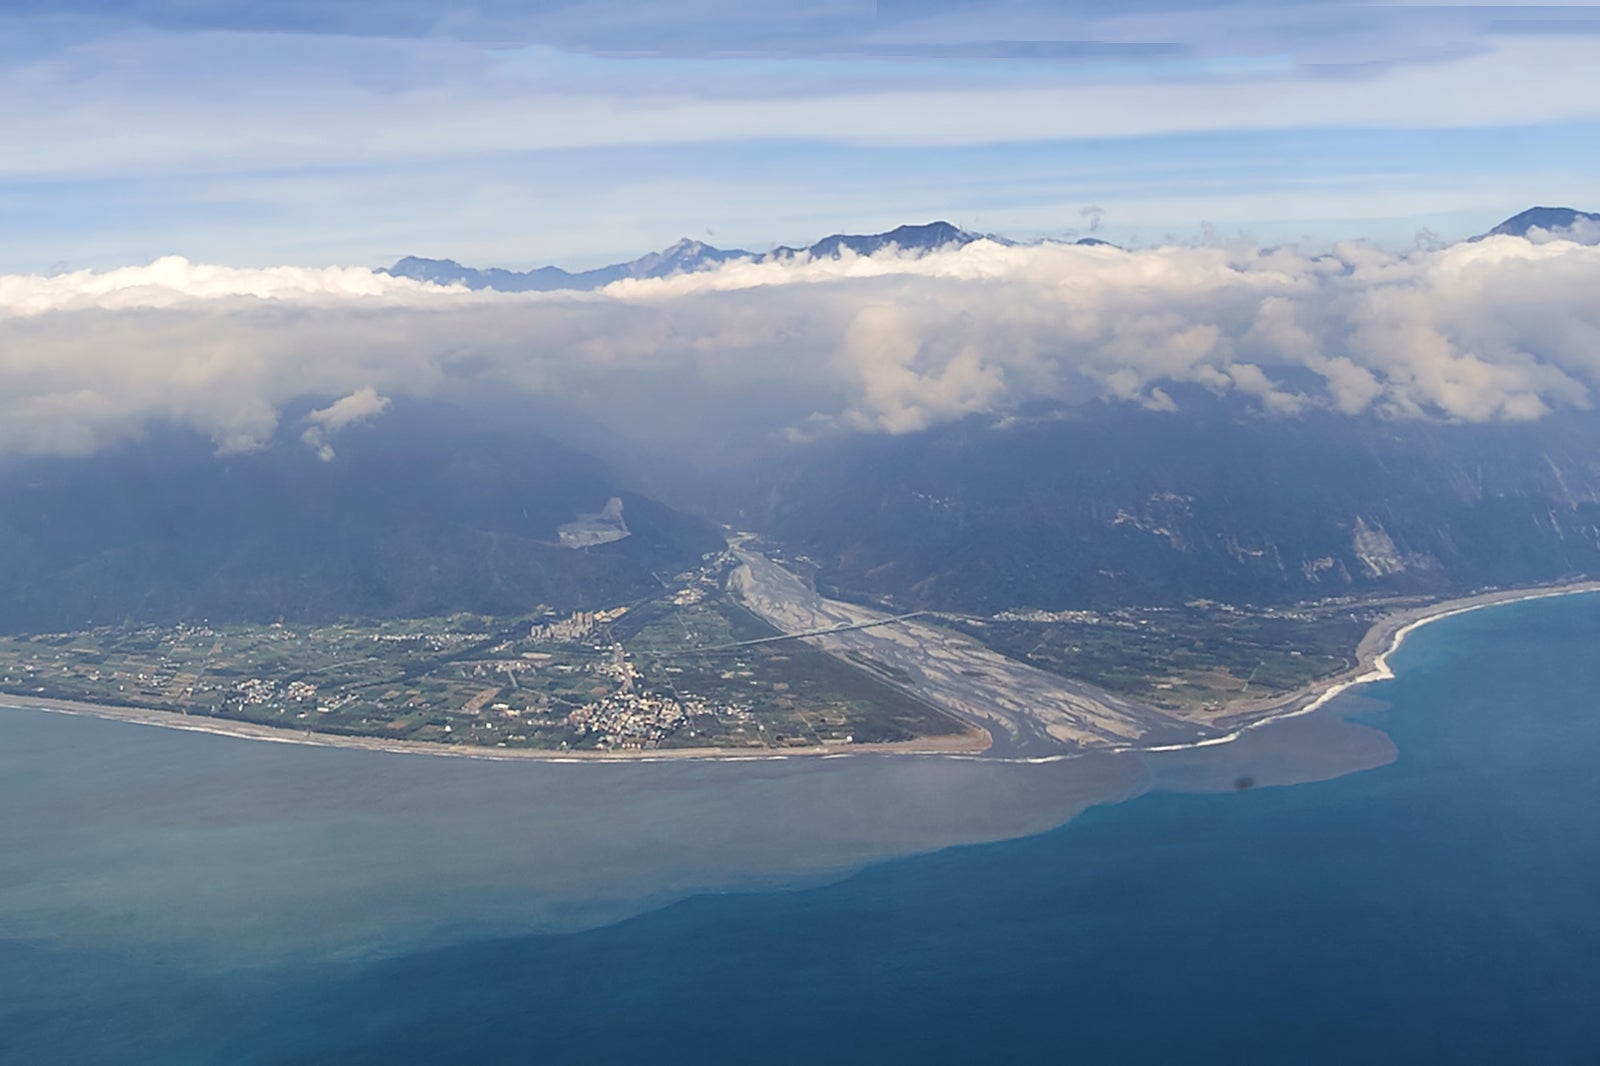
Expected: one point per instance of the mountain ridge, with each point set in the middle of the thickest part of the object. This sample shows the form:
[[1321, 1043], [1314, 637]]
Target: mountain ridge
[[1106, 504], [688, 256], [428, 510]]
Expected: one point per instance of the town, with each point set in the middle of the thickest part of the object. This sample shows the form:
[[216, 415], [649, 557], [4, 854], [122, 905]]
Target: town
[[624, 677]]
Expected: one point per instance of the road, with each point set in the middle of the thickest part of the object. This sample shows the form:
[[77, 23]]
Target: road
[[841, 627]]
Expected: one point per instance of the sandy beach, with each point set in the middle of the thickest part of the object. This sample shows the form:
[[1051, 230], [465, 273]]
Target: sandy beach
[[1372, 664]]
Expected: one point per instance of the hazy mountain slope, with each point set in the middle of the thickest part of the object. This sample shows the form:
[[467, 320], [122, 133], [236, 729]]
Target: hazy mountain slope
[[427, 510], [685, 257], [436, 508], [1113, 504], [688, 256]]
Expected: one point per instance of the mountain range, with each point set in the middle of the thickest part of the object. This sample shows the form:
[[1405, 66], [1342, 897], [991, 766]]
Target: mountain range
[[689, 256], [1108, 504], [460, 504], [685, 257], [431, 509]]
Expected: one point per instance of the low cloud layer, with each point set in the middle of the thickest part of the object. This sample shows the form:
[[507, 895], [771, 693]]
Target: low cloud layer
[[1502, 329]]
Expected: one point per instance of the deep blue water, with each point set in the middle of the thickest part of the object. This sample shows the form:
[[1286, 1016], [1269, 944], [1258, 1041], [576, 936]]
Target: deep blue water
[[1442, 908]]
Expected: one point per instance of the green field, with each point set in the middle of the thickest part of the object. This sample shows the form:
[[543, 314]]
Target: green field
[[653, 674], [1200, 655]]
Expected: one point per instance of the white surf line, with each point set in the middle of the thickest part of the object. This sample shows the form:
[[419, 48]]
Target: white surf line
[[1381, 670]]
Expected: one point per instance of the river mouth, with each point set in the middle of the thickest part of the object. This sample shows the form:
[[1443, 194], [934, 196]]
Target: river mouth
[[1027, 712]]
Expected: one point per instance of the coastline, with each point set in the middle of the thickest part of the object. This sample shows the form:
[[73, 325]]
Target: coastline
[[972, 742], [1382, 640]]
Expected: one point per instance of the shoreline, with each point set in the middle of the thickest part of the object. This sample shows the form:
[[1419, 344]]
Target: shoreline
[[970, 743], [1382, 640]]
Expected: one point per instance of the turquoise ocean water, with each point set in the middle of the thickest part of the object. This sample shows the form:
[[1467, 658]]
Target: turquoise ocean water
[[1429, 892]]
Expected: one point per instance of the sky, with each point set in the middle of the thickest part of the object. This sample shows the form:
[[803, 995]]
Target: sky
[[353, 132], [197, 197]]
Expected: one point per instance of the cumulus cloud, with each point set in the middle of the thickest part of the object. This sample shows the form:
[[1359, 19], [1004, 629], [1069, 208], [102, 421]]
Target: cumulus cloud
[[1582, 231], [1501, 329], [359, 406]]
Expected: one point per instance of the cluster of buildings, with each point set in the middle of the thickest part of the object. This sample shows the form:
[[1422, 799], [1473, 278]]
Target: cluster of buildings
[[432, 641], [1080, 617], [498, 667], [627, 720], [255, 691], [699, 706], [578, 626], [630, 720]]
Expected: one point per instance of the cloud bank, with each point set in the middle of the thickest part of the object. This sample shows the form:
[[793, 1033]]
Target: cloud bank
[[1503, 329]]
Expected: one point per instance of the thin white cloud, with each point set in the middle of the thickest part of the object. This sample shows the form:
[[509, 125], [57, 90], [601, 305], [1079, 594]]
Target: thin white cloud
[[127, 104], [1502, 329], [304, 134]]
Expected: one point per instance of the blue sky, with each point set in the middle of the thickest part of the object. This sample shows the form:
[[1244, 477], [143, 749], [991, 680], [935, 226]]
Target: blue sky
[[519, 133]]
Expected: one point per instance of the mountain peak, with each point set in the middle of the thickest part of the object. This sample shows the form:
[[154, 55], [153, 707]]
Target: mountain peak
[[940, 231], [419, 268], [926, 237], [684, 257], [1582, 226]]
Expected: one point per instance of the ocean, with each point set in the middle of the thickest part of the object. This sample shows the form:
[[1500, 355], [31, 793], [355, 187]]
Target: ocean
[[1410, 875]]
